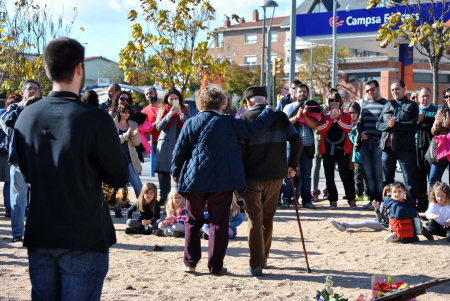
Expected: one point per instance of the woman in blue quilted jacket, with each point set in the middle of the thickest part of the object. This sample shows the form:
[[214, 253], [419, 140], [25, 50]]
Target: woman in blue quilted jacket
[[207, 165]]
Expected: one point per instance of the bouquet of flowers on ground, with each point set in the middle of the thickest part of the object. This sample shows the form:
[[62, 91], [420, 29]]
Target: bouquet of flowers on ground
[[328, 294], [380, 285]]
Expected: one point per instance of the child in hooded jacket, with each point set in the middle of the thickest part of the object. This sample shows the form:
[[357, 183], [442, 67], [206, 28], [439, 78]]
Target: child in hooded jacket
[[401, 215]]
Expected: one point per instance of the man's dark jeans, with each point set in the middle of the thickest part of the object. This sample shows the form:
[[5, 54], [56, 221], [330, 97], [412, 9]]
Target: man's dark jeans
[[302, 181], [62, 274], [407, 160], [372, 163]]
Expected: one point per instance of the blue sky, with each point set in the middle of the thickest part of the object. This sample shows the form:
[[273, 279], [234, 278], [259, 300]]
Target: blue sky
[[107, 29]]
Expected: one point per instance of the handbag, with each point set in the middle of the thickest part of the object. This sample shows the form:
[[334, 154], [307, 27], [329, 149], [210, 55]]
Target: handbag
[[431, 156], [358, 141]]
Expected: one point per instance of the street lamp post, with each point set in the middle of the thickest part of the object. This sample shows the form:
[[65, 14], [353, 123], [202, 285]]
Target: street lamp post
[[292, 59], [261, 82], [311, 88], [267, 3], [334, 79]]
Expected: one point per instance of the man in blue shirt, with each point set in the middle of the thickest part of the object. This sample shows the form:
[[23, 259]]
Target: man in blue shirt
[[302, 181], [290, 98]]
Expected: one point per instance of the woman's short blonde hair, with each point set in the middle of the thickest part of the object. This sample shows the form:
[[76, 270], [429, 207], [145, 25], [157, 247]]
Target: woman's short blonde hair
[[210, 98]]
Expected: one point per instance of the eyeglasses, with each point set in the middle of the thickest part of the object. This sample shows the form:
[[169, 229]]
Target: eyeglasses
[[32, 89], [371, 90], [446, 96], [413, 98], [123, 99], [352, 113], [333, 100], [125, 112]]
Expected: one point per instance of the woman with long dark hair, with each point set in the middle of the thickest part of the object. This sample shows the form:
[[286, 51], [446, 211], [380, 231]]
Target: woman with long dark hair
[[129, 137], [170, 120], [336, 147]]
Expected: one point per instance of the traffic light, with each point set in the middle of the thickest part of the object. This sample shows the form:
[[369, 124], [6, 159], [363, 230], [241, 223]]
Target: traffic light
[[277, 66]]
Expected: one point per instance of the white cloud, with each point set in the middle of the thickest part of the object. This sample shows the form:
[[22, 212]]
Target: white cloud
[[114, 5]]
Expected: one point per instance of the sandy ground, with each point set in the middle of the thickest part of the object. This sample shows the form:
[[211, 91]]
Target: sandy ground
[[351, 257]]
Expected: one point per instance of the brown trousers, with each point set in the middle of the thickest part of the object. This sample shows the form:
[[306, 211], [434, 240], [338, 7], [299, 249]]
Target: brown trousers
[[260, 201]]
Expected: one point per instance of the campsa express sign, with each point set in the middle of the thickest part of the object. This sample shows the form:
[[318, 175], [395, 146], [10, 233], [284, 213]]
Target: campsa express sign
[[353, 21]]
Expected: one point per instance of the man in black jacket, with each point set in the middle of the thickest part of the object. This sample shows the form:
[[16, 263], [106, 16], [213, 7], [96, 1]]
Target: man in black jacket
[[65, 150], [398, 122], [265, 168]]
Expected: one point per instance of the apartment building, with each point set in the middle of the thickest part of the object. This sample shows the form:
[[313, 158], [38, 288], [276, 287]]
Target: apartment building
[[242, 43]]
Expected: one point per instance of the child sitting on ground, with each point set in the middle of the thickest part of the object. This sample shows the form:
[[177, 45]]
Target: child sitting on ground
[[401, 215], [438, 212], [235, 220], [381, 223], [176, 216], [149, 209]]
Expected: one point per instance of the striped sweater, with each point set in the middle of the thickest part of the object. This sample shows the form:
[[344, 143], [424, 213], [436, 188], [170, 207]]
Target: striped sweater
[[368, 118], [179, 217]]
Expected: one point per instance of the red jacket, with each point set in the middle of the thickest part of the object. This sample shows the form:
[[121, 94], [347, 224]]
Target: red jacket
[[151, 117], [345, 123], [403, 227]]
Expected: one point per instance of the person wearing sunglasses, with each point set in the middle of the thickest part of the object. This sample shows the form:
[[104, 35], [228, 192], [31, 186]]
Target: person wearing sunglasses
[[398, 122], [4, 148], [441, 126], [336, 147], [423, 137], [129, 138], [371, 109], [414, 96], [19, 189]]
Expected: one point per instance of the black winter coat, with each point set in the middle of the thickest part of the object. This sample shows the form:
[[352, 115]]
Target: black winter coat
[[406, 113]]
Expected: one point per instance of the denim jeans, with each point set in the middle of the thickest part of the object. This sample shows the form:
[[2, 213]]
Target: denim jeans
[[373, 168], [63, 274], [18, 197], [135, 182], [407, 160], [302, 181], [436, 173], [6, 197]]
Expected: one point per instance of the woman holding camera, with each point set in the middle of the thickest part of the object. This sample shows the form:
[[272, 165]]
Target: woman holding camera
[[336, 147], [170, 120]]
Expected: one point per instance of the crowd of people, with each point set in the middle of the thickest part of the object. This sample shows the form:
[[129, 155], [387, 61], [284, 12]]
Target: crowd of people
[[56, 155]]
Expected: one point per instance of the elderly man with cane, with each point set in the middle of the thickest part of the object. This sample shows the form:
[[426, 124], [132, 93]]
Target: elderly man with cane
[[265, 168]]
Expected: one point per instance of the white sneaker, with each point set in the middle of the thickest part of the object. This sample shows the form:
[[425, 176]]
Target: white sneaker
[[393, 237], [338, 225]]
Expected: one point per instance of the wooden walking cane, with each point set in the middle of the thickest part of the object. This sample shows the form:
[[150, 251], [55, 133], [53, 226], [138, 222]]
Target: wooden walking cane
[[300, 225]]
